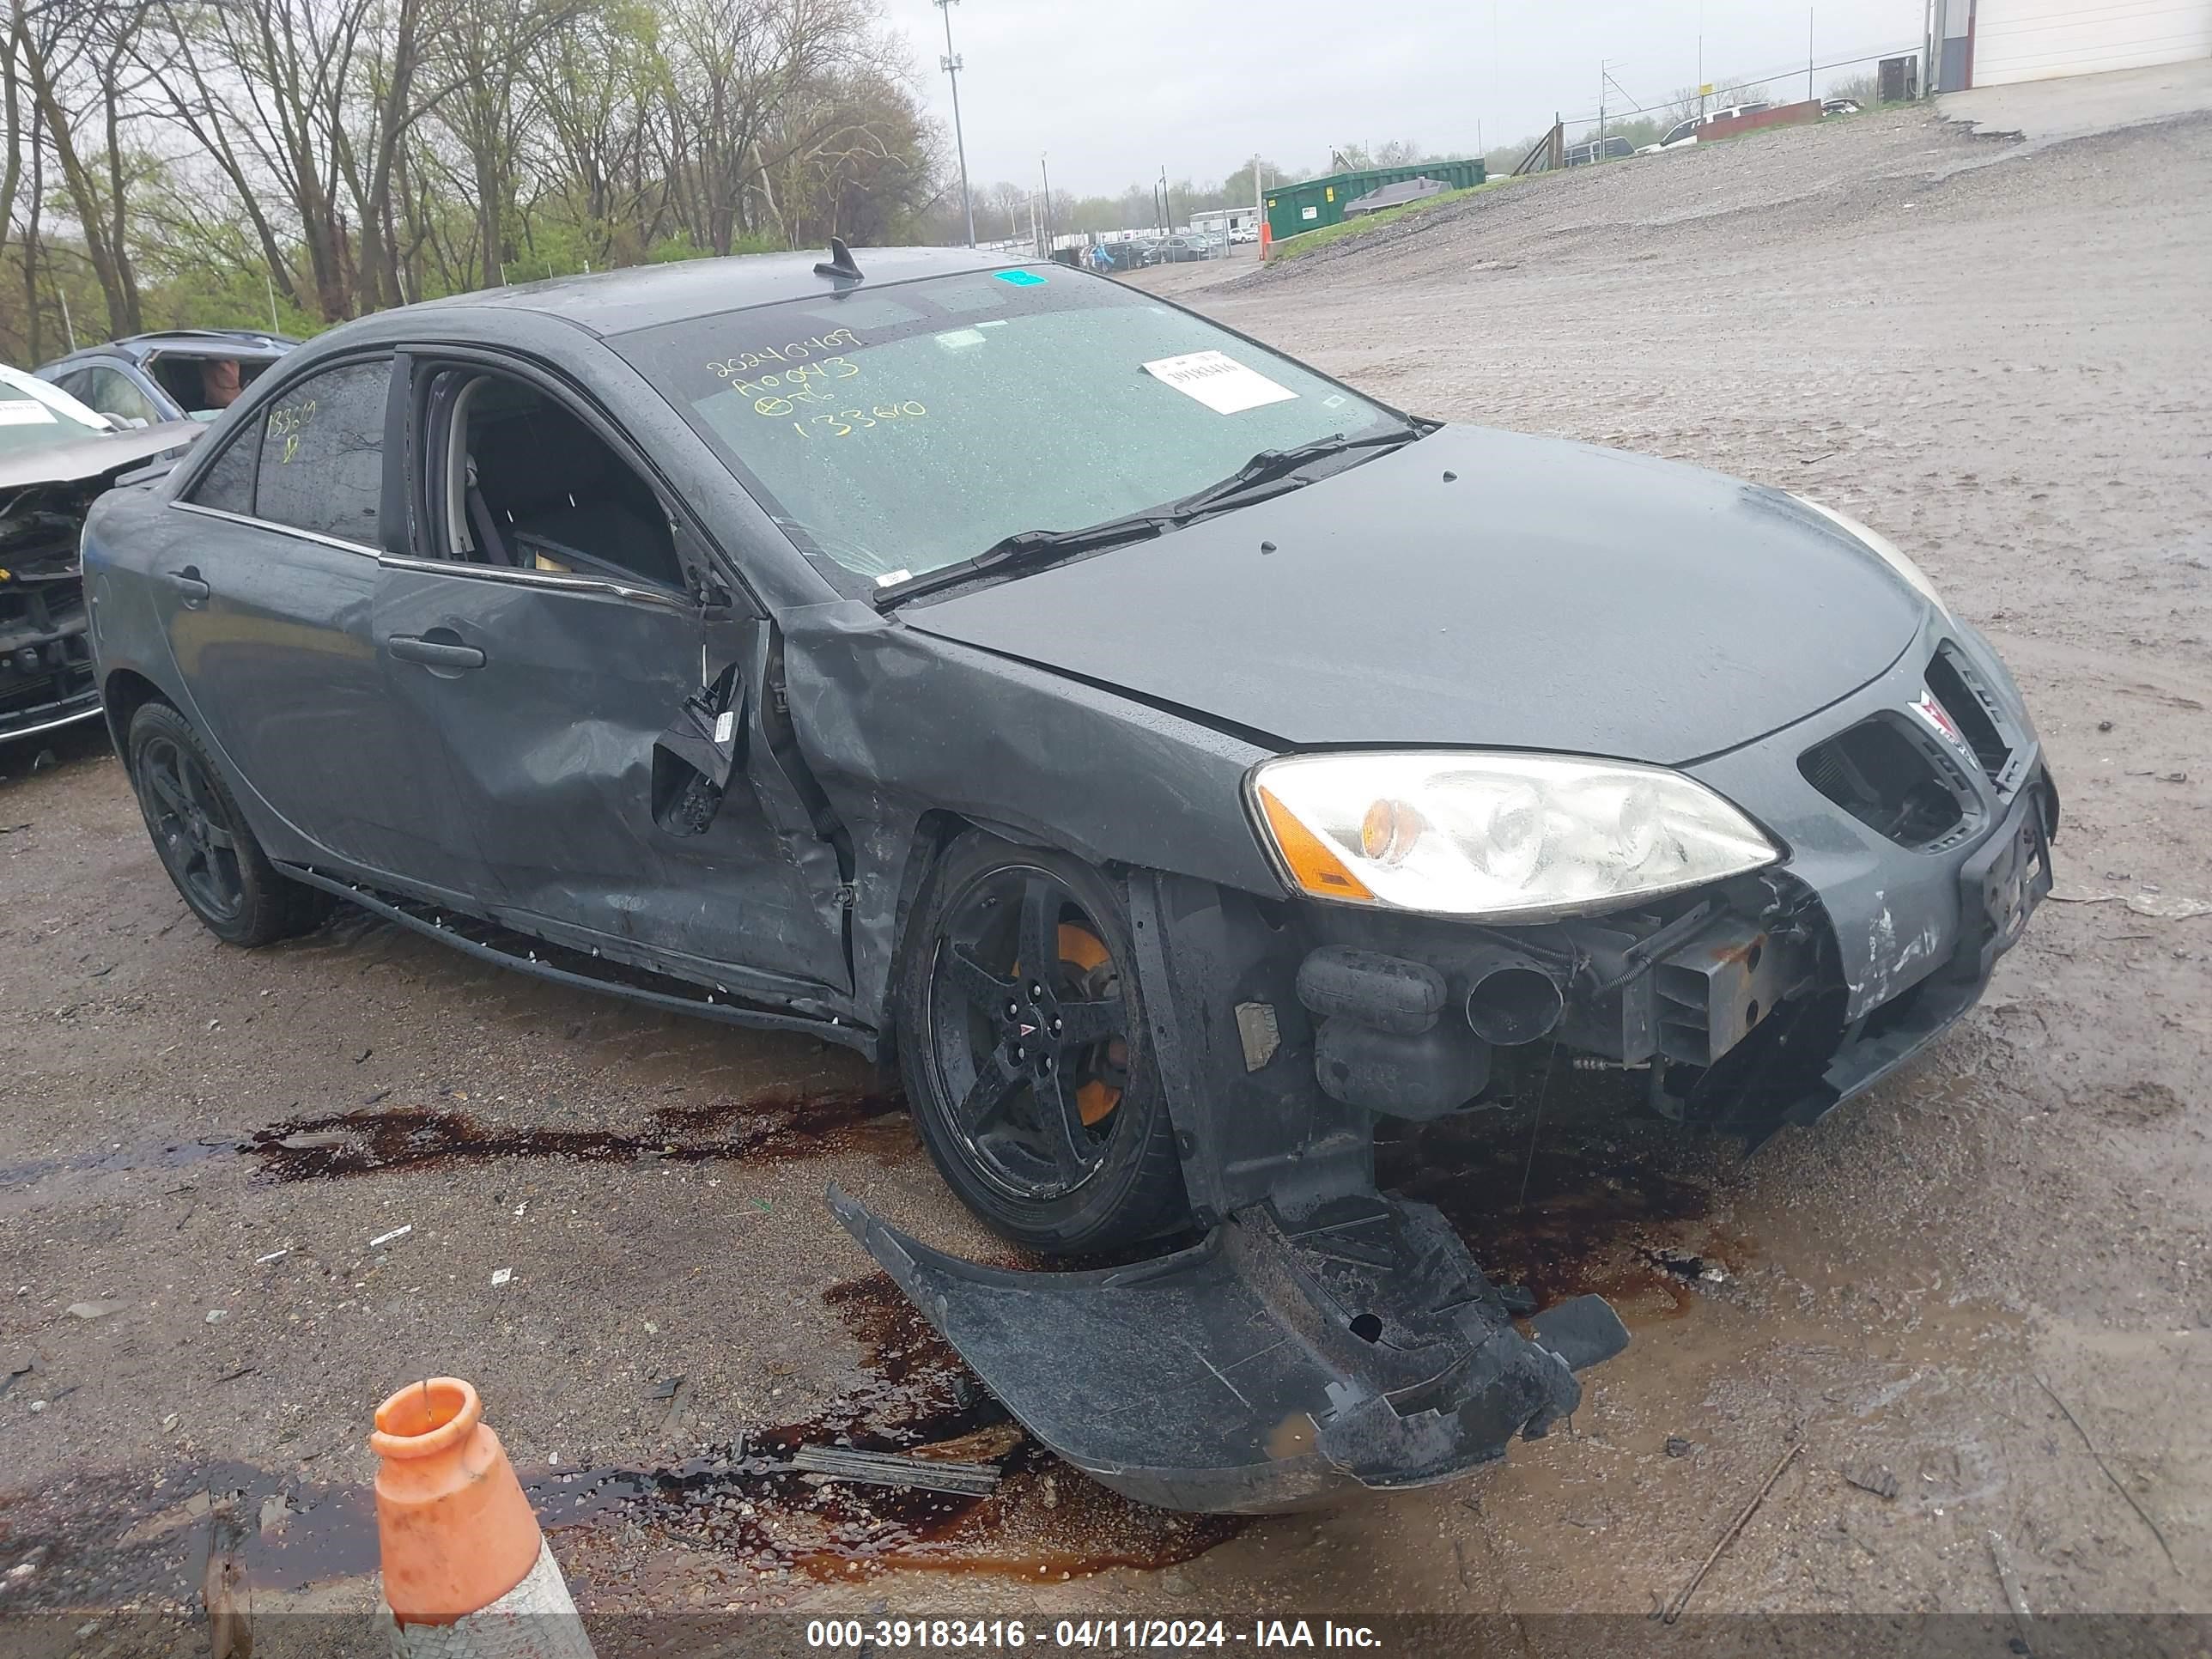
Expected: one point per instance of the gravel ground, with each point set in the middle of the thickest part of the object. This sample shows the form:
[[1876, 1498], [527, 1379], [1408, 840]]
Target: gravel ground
[[2002, 359]]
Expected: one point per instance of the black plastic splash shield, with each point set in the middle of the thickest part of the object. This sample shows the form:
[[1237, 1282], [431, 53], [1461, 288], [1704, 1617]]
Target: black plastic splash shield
[[1277, 1364]]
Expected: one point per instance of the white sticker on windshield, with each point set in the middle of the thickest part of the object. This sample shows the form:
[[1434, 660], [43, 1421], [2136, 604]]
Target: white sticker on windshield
[[1218, 380], [24, 411]]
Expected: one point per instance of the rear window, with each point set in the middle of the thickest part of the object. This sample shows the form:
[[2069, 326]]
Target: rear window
[[898, 430], [322, 454]]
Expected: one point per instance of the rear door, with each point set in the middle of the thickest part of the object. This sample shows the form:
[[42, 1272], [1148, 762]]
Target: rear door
[[543, 639], [267, 591]]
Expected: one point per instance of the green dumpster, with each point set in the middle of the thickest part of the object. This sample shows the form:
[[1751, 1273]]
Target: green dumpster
[[1314, 203]]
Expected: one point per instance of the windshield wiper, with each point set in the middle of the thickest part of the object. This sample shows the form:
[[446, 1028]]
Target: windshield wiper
[[1031, 547], [1270, 465]]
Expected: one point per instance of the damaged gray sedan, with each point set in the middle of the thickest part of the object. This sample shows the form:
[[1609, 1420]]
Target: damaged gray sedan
[[1174, 762]]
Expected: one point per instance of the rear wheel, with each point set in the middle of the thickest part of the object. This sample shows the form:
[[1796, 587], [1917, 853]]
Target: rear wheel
[[204, 840], [1023, 1050]]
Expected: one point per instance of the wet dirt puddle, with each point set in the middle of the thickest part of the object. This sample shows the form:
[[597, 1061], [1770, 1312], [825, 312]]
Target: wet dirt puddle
[[741, 1511]]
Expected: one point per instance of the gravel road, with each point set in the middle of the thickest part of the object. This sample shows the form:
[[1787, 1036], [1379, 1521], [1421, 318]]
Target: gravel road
[[2004, 361]]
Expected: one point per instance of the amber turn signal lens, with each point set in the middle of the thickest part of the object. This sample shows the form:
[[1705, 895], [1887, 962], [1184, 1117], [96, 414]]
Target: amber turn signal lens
[[1313, 866], [1389, 831]]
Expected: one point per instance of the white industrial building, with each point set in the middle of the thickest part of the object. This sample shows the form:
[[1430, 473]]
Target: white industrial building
[[1989, 43]]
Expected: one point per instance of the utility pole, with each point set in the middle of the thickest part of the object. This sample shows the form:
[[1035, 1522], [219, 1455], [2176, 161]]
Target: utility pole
[[1047, 206], [1167, 206], [1808, 54], [951, 65]]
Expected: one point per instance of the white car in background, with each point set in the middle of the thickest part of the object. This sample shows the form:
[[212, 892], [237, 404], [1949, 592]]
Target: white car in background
[[1683, 134]]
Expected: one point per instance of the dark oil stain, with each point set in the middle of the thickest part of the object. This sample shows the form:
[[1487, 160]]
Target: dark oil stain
[[419, 1137], [738, 1514], [1612, 1207], [748, 1508]]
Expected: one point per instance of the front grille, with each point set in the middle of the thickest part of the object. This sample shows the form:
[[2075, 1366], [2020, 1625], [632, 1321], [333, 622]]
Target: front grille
[[1888, 781], [1953, 683]]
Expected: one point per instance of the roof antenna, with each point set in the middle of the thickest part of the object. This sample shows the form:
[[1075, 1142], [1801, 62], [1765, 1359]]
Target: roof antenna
[[839, 263]]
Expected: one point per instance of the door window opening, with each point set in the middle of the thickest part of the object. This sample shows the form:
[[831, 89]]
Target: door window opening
[[531, 487]]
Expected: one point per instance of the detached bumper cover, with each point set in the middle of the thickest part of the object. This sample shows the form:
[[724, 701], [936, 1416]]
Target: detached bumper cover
[[1277, 1364]]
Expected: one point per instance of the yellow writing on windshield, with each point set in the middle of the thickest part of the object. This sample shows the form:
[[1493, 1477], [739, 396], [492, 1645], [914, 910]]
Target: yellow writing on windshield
[[790, 351], [775, 395], [846, 421]]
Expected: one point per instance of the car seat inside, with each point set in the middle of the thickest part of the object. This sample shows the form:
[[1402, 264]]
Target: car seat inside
[[542, 491]]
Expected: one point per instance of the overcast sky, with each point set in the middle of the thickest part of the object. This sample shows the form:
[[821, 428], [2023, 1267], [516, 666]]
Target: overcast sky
[[1115, 89]]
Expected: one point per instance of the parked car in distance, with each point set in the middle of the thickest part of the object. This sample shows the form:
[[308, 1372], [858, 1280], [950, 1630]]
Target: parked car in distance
[[1683, 134], [181, 374], [1154, 749], [1608, 148], [56, 456]]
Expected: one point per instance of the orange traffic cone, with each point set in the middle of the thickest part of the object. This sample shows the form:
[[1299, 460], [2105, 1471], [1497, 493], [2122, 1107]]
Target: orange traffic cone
[[466, 1571]]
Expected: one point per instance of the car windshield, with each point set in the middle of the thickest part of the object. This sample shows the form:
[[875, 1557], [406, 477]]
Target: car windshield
[[33, 413], [903, 429]]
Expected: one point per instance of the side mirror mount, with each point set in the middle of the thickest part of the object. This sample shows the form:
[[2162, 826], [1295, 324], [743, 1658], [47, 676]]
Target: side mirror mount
[[695, 759]]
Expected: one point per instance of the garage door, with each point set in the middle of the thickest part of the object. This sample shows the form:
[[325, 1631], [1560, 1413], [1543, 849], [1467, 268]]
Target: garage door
[[2033, 39]]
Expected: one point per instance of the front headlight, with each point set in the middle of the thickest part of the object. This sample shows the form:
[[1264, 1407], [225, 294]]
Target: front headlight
[[1504, 837], [1887, 550]]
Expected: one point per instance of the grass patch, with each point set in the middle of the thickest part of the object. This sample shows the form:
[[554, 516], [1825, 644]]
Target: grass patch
[[1306, 241]]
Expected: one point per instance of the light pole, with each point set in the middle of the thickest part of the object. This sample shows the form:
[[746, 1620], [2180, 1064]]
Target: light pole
[[951, 65]]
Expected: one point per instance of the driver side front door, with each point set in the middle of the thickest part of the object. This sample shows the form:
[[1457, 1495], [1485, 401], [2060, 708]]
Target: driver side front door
[[573, 708]]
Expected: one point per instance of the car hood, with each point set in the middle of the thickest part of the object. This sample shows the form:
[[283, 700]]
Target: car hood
[[97, 454], [1476, 587]]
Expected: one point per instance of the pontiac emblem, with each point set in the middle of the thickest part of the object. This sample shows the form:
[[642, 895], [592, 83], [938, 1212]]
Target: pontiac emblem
[[1936, 716]]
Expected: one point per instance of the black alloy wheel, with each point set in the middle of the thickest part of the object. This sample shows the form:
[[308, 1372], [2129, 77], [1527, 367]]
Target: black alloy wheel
[[204, 840], [190, 830], [1024, 1052]]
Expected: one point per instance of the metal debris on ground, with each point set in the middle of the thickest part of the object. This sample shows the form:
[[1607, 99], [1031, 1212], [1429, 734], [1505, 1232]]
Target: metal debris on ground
[[1677, 1447], [273, 1255], [2105, 1468], [1873, 1478], [2015, 1597], [501, 1275], [897, 1469], [1674, 1610], [382, 1239]]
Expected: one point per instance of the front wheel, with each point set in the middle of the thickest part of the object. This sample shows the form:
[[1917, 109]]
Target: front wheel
[[204, 840], [1023, 1050]]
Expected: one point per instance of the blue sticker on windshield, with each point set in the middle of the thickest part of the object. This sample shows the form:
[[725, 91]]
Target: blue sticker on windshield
[[1020, 278]]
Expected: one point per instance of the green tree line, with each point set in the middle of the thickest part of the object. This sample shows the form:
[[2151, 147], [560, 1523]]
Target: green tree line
[[233, 162]]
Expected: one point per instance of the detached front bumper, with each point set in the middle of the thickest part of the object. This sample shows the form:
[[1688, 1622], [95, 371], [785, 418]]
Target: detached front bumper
[[1282, 1362]]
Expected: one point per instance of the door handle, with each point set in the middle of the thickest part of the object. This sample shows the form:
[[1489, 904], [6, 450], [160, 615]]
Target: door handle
[[187, 582], [435, 653]]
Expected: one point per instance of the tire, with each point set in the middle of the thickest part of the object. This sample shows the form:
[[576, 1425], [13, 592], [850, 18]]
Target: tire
[[1036, 1097], [203, 840]]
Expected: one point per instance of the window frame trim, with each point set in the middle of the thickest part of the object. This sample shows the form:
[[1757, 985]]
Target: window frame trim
[[277, 527]]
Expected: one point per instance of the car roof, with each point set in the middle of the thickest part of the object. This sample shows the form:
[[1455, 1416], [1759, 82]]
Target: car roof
[[645, 296], [137, 347]]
